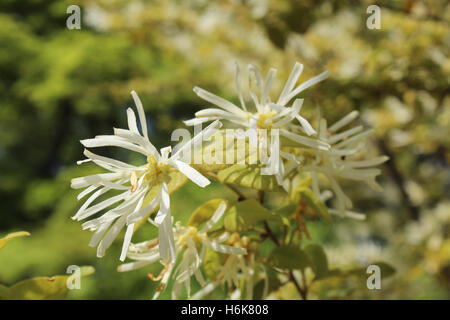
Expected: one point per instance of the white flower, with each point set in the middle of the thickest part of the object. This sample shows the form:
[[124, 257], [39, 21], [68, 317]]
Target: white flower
[[189, 241], [135, 183], [267, 114], [341, 161]]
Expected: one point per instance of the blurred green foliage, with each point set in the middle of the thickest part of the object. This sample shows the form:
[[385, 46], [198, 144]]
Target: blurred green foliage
[[59, 86]]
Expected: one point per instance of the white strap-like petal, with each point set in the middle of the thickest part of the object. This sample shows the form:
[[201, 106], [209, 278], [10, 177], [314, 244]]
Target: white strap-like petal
[[205, 134], [136, 265], [304, 86], [113, 141], [306, 125], [355, 139], [141, 213], [318, 144], [115, 163], [215, 217], [137, 139], [292, 114], [197, 121], [204, 291], [132, 123], [130, 230], [290, 83], [218, 101], [367, 163], [110, 236], [98, 235], [86, 191], [126, 241], [347, 133], [164, 205], [102, 205], [215, 113], [344, 121], [96, 179], [265, 96], [166, 240], [238, 87], [350, 214], [191, 173], [141, 113], [224, 248], [91, 199]]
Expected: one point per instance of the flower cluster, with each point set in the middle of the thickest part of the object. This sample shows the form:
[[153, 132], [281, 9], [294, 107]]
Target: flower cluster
[[296, 148]]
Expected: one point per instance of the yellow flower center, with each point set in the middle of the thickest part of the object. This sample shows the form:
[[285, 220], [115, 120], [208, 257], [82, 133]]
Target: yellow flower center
[[193, 233], [156, 173], [262, 117]]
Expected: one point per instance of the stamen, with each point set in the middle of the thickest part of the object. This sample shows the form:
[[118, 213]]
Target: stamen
[[134, 181], [159, 277]]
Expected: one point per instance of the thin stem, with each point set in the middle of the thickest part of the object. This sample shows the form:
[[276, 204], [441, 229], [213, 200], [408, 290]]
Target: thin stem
[[303, 291], [270, 233]]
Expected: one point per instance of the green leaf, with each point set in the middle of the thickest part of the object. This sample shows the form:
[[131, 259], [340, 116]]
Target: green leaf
[[41, 288], [289, 257], [204, 212], [3, 292], [249, 176], [385, 269], [245, 214], [286, 211], [318, 258], [272, 285], [212, 263], [11, 236]]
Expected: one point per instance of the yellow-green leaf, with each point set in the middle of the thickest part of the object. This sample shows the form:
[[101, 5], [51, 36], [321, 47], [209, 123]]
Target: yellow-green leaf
[[11, 236], [204, 212], [41, 288], [245, 214], [249, 176], [212, 263]]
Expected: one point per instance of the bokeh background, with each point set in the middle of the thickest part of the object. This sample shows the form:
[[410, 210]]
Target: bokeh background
[[58, 86]]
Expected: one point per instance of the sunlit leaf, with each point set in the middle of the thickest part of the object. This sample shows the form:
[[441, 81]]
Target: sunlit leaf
[[11, 236], [204, 212], [41, 288], [249, 176], [212, 263], [245, 214]]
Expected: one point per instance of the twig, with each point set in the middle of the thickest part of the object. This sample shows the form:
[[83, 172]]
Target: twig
[[399, 180], [303, 291], [270, 233]]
